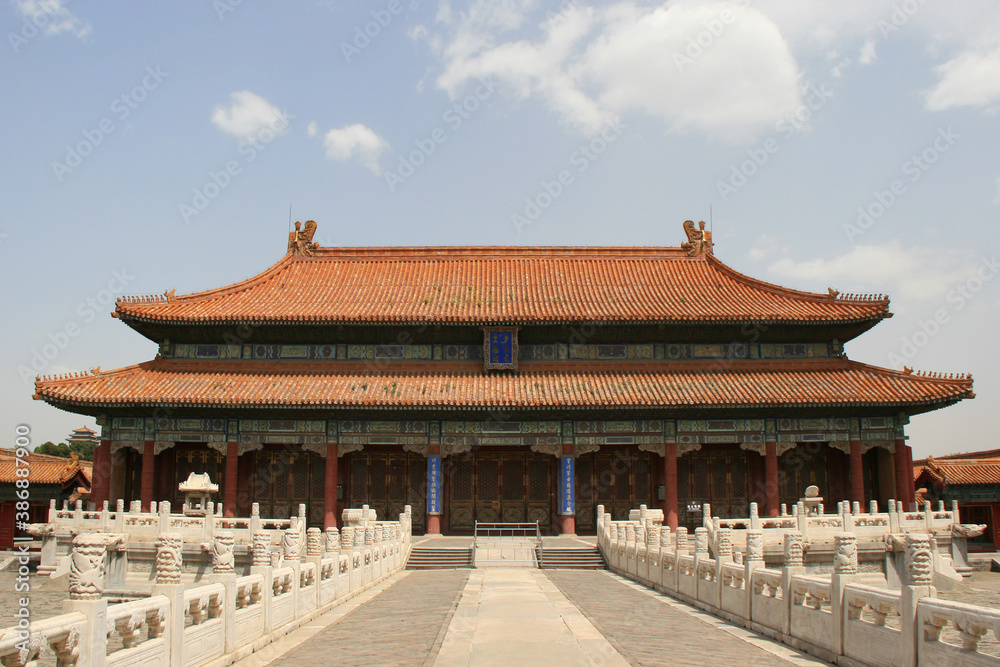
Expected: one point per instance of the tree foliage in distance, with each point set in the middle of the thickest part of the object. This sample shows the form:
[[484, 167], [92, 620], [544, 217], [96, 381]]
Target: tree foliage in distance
[[84, 450]]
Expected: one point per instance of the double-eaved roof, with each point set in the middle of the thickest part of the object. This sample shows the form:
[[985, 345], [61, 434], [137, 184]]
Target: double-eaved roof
[[834, 382], [524, 286], [501, 285]]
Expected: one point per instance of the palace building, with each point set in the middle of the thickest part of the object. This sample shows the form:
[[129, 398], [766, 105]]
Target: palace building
[[503, 384]]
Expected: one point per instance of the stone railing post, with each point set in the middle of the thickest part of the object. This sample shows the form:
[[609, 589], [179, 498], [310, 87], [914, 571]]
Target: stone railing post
[[164, 518], [86, 584], [754, 559], [314, 555], [794, 563], [224, 572], [845, 571], [254, 518], [120, 516], [893, 517], [682, 541], [754, 516], [723, 555], [291, 552], [918, 583], [261, 564]]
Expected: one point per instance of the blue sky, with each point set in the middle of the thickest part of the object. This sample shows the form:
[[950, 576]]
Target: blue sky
[[155, 146]]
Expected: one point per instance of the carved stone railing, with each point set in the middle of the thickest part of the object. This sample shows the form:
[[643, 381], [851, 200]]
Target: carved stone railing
[[834, 615], [224, 619]]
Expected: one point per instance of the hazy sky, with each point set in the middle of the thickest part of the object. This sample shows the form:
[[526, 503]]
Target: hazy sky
[[153, 146]]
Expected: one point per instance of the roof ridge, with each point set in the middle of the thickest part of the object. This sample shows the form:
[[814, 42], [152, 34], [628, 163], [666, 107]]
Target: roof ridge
[[832, 295], [233, 288]]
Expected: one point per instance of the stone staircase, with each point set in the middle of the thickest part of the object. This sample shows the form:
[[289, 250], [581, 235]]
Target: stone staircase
[[439, 558], [566, 558]]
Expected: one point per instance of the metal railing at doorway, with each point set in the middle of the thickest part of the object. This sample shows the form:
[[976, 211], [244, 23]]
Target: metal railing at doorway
[[506, 543]]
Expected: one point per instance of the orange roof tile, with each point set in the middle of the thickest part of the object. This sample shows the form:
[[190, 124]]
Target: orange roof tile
[[42, 469], [971, 468], [837, 382], [511, 285]]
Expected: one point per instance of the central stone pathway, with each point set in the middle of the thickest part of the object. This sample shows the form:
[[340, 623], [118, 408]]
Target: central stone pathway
[[648, 628], [518, 617]]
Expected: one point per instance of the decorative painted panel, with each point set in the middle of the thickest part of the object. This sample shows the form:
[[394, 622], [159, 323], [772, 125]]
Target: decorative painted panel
[[794, 350]]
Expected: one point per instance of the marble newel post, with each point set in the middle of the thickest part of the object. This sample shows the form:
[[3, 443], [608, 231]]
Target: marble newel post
[[434, 481]]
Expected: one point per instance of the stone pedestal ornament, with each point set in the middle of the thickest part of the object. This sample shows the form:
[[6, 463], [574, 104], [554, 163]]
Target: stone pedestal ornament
[[725, 543], [682, 540], [701, 541], [845, 558], [86, 566], [261, 549], [794, 554], [332, 540], [347, 537], [169, 558], [919, 559], [223, 558], [755, 545], [369, 535], [652, 535], [290, 544], [313, 544]]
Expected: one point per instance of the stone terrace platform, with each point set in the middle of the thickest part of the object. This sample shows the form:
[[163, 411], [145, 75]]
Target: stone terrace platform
[[523, 617]]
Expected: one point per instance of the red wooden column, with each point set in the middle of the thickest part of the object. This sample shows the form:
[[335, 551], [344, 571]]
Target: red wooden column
[[857, 474], [232, 478], [771, 477], [670, 484], [148, 475], [102, 473], [330, 486], [904, 475]]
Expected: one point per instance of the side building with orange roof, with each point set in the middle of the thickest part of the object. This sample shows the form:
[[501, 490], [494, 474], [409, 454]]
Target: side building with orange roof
[[971, 479], [49, 477], [515, 384]]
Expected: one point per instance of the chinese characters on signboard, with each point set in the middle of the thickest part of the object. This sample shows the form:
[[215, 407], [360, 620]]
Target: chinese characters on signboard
[[434, 484]]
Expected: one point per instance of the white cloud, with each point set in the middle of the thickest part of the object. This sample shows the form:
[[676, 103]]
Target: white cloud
[[767, 245], [719, 68], [312, 129], [867, 54], [917, 274], [351, 140], [52, 16], [248, 114], [970, 79]]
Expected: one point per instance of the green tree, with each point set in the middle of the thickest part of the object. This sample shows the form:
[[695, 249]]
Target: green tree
[[51, 449], [85, 450]]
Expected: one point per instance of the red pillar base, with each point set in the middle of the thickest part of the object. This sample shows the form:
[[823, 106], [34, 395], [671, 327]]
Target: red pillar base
[[567, 524], [433, 524]]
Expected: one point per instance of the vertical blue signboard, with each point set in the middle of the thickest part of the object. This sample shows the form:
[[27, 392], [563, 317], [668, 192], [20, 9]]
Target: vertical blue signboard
[[567, 503], [434, 484], [501, 347]]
